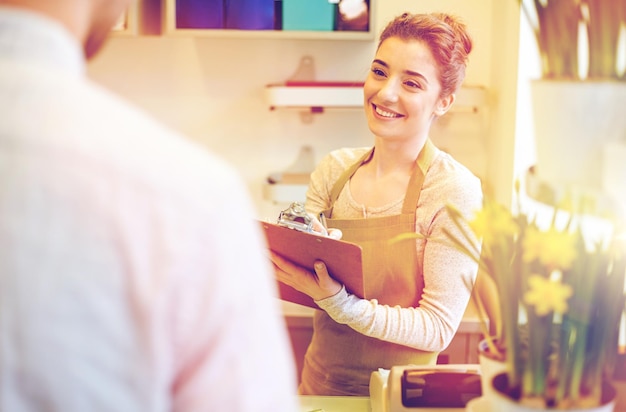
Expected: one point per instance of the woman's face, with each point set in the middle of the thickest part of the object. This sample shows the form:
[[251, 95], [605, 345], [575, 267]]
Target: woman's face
[[402, 90]]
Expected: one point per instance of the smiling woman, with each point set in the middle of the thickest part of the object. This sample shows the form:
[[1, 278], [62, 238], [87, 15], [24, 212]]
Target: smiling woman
[[402, 92], [415, 292]]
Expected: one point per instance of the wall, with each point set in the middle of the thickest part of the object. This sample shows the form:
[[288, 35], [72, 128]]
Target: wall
[[211, 89]]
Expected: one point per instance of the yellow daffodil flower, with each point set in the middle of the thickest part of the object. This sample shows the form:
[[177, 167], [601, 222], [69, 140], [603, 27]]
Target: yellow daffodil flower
[[492, 222], [553, 248], [546, 295], [549, 271]]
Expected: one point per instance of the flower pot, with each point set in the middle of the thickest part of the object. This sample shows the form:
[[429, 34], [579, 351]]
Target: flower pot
[[501, 401], [490, 366], [620, 400], [573, 121], [619, 382]]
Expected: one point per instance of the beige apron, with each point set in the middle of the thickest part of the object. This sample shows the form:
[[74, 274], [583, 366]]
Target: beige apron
[[339, 360]]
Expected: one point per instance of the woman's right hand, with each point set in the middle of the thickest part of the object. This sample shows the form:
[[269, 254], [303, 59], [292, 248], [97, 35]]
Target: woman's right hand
[[320, 229]]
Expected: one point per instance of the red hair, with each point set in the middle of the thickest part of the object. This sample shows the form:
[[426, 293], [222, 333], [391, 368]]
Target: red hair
[[446, 37]]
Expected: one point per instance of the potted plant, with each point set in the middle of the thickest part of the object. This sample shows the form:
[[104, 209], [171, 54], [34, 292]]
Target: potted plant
[[567, 291], [619, 381], [578, 100]]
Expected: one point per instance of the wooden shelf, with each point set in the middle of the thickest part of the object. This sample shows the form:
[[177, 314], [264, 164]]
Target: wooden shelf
[[321, 95], [269, 34]]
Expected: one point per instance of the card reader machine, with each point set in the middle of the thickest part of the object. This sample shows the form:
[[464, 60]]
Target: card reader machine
[[408, 388]]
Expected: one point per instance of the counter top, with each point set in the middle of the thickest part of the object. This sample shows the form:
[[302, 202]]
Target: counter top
[[334, 404], [363, 404]]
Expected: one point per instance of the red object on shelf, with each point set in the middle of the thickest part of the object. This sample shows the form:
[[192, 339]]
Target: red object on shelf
[[299, 83]]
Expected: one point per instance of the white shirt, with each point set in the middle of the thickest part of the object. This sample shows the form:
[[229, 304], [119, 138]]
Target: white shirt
[[132, 276]]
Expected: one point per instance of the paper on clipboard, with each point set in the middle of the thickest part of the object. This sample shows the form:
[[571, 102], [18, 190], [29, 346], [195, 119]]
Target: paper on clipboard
[[343, 259]]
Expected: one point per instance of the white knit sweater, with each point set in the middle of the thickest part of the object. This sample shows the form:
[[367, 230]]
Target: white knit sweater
[[448, 273]]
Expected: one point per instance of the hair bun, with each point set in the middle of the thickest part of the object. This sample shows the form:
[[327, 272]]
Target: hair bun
[[460, 31], [446, 36]]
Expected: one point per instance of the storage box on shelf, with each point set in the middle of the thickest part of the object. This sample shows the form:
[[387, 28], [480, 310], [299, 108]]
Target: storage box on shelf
[[318, 15], [267, 19]]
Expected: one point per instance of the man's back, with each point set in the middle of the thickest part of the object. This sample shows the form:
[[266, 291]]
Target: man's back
[[131, 275]]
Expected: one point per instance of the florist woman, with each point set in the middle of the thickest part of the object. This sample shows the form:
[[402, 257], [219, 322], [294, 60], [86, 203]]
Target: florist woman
[[415, 291]]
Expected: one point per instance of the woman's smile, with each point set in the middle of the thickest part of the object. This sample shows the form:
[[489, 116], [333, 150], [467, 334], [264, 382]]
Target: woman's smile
[[386, 113], [402, 90]]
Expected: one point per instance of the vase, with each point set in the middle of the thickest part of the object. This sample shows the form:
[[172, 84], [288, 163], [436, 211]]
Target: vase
[[573, 122], [500, 401], [490, 366]]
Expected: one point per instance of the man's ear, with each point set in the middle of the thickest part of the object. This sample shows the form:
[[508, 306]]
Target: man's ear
[[444, 104]]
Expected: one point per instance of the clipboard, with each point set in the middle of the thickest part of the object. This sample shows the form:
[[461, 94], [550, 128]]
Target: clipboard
[[343, 259]]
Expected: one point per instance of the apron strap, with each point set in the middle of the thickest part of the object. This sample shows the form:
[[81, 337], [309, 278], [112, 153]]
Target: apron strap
[[346, 175], [424, 160]]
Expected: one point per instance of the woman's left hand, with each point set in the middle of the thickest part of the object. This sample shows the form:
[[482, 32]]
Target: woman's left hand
[[318, 285]]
